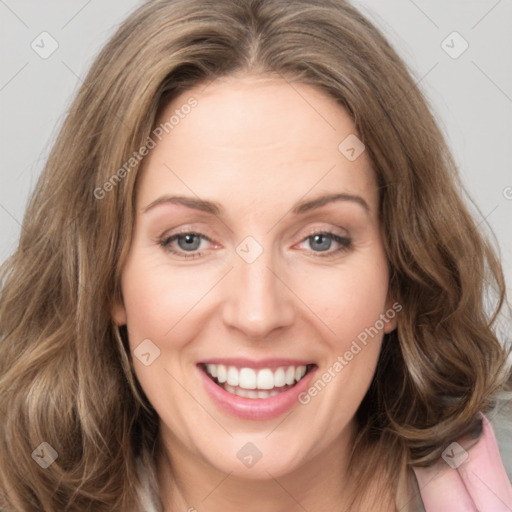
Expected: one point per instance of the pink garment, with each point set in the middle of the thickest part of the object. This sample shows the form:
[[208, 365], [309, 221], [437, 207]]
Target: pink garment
[[478, 481]]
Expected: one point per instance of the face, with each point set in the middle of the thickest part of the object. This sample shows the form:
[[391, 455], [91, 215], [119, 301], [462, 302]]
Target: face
[[255, 291]]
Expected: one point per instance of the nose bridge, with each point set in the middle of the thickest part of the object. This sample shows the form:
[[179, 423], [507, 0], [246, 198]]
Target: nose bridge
[[257, 302]]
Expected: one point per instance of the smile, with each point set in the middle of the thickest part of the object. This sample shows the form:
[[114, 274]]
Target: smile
[[256, 390], [254, 383]]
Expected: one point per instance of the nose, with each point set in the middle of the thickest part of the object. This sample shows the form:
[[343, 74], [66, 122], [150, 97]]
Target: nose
[[258, 301]]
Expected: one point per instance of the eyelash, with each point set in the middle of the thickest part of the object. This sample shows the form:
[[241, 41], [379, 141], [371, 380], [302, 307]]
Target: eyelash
[[166, 244], [344, 242]]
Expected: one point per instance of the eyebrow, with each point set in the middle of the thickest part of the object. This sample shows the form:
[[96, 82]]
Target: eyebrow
[[306, 206], [190, 202], [216, 209]]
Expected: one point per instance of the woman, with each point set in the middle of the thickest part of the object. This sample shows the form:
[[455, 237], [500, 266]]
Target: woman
[[247, 279]]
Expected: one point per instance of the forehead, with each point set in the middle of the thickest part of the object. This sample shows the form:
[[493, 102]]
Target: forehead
[[255, 139]]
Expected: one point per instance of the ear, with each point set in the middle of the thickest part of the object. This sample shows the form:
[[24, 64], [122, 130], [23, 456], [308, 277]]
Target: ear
[[119, 312], [391, 313]]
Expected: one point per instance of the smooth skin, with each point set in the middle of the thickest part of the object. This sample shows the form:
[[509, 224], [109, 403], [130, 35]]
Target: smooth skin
[[256, 146]]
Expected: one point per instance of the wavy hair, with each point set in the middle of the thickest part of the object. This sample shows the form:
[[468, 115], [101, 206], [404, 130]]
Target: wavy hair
[[66, 375]]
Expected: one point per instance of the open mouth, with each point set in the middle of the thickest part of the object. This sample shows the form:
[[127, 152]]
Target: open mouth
[[256, 383]]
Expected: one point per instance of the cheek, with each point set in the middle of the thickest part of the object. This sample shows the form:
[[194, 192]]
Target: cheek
[[157, 298], [350, 301], [349, 298]]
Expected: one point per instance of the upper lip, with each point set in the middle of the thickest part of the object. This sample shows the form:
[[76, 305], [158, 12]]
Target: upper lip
[[240, 362]]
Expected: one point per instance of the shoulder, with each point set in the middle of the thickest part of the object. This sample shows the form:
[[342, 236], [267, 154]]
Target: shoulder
[[501, 422], [474, 479]]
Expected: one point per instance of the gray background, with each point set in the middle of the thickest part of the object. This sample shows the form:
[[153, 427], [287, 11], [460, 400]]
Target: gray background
[[470, 95]]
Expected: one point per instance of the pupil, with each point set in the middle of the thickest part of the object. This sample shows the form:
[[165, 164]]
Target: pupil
[[189, 242], [322, 242]]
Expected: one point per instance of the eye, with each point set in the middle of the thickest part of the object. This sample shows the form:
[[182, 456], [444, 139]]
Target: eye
[[182, 243], [323, 242]]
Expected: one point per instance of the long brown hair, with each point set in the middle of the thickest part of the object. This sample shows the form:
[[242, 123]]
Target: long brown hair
[[65, 375]]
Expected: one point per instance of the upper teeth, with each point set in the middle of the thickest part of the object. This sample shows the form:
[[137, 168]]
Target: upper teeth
[[265, 378]]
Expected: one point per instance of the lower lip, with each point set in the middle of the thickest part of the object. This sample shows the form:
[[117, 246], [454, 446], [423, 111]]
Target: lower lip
[[256, 408]]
